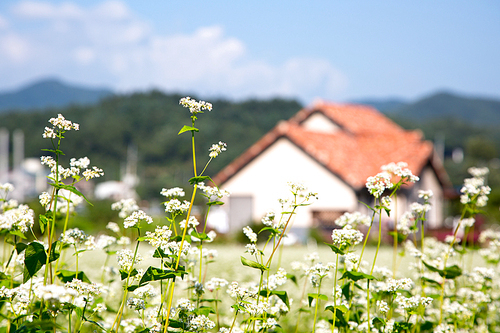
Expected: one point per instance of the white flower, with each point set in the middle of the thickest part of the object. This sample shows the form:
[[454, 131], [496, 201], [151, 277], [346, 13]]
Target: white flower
[[174, 206], [376, 185], [125, 206], [353, 219], [125, 259], [173, 192], [212, 191], [113, 227], [201, 323], [252, 236], [160, 237], [136, 218], [194, 106], [216, 149], [346, 237], [95, 172]]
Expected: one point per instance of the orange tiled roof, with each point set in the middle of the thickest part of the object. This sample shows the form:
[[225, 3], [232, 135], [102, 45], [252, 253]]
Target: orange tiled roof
[[367, 140]]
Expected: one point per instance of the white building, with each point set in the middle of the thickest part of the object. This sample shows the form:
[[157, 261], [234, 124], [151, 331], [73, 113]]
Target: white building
[[332, 149]]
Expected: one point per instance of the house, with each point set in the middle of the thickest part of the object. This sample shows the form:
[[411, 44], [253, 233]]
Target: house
[[332, 149]]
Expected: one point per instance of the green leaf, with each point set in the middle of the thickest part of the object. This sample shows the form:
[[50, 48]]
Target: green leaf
[[293, 278], [204, 310], [43, 221], [34, 258], [54, 251], [154, 274], [449, 272], [253, 264], [316, 296], [20, 247], [339, 314], [68, 276], [72, 189], [17, 233], [211, 203], [186, 128], [124, 274], [378, 322], [281, 295], [201, 236], [55, 151], [430, 281], [335, 249], [346, 291], [199, 179], [355, 276]]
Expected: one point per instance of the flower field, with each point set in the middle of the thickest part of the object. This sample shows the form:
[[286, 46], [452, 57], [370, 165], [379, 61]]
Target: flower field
[[172, 277]]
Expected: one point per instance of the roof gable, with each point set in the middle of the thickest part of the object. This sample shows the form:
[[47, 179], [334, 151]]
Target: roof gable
[[357, 142]]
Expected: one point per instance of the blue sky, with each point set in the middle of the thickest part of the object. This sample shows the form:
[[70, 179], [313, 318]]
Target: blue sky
[[334, 50]]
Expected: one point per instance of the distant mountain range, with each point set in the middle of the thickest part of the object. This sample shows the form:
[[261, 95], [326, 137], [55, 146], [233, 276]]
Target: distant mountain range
[[441, 105], [50, 93]]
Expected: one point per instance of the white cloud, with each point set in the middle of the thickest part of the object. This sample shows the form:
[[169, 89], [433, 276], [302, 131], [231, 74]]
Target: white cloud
[[14, 48], [110, 45], [3, 23]]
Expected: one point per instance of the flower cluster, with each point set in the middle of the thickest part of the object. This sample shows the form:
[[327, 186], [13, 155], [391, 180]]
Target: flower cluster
[[194, 106], [59, 124], [135, 218], [216, 149], [346, 237], [474, 190]]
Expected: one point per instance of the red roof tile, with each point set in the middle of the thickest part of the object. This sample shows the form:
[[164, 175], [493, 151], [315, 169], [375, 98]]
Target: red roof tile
[[367, 141]]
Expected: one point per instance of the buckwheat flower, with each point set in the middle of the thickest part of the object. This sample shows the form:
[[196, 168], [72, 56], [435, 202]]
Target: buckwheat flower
[[276, 280], [19, 218], [193, 223], [393, 285], [417, 208], [136, 217], [113, 227], [125, 206], [311, 257], [215, 284], [211, 236], [201, 322], [400, 169], [100, 307], [252, 236], [269, 219], [125, 259], [405, 223], [210, 254], [136, 303], [444, 328], [176, 207], [194, 106], [386, 202], [426, 195], [346, 237], [353, 219], [173, 192], [468, 222], [89, 290], [376, 185], [216, 149], [172, 248], [317, 272], [160, 237], [48, 161], [478, 172], [74, 237], [251, 249], [94, 173], [212, 191], [49, 133], [61, 123], [183, 304], [383, 307], [147, 291], [44, 198], [105, 241]]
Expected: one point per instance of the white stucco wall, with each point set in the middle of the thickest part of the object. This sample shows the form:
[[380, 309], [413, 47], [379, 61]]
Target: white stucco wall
[[266, 177], [429, 181]]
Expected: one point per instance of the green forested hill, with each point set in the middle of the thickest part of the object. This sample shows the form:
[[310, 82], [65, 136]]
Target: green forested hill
[[151, 122]]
